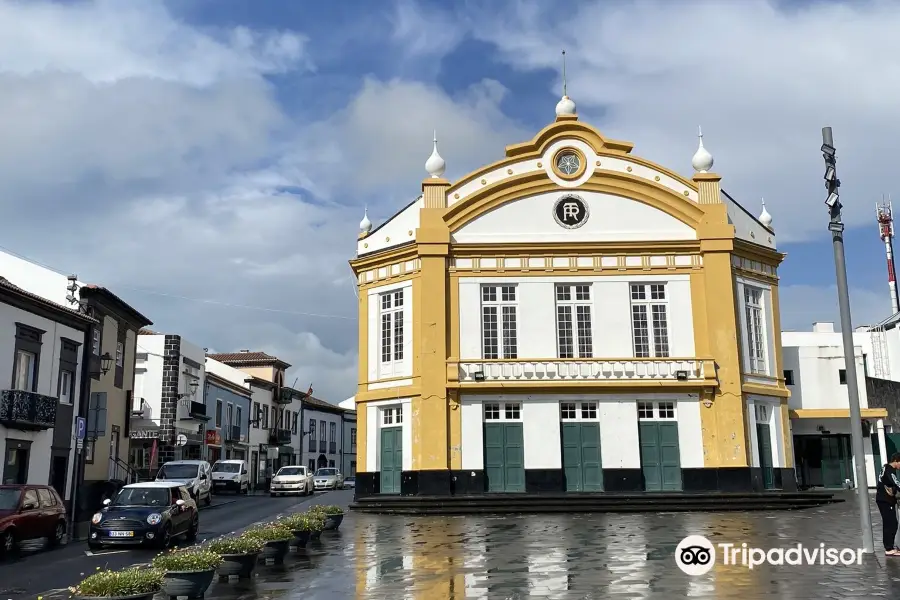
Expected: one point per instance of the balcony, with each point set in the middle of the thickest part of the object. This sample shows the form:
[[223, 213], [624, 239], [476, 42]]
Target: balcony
[[284, 396], [600, 370], [332, 447], [279, 437], [197, 410], [322, 446], [312, 445], [27, 410], [233, 433]]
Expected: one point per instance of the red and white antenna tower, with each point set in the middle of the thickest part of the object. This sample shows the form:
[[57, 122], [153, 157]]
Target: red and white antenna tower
[[884, 214]]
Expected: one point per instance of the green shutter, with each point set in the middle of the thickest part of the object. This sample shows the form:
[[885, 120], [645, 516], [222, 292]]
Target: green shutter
[[504, 457], [581, 457], [571, 455], [494, 464], [391, 459], [660, 456], [764, 446]]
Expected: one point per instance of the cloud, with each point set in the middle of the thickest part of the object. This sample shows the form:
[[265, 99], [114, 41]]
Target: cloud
[[761, 79]]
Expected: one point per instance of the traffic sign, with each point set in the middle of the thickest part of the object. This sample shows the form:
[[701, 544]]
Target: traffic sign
[[80, 428], [181, 440], [79, 444]]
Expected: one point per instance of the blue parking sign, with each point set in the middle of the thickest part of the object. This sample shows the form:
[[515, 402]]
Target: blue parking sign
[[80, 428]]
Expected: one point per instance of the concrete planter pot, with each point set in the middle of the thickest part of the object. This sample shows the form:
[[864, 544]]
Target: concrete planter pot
[[315, 535], [239, 565], [146, 596], [332, 522], [275, 550], [192, 584], [301, 538]]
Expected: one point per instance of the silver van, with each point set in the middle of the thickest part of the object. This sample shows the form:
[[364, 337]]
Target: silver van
[[193, 474]]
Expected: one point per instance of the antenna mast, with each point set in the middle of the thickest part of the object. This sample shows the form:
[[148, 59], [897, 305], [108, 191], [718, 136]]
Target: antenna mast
[[885, 217]]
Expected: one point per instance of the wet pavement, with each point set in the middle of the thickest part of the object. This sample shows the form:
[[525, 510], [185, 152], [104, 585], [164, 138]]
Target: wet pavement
[[582, 556]]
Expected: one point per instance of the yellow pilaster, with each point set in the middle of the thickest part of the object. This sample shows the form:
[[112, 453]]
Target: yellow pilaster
[[430, 426], [724, 423]]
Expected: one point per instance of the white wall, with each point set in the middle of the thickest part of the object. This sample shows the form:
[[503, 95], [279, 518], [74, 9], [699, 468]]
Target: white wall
[[35, 278], [815, 361], [148, 374], [399, 230], [617, 415], [47, 384], [611, 315]]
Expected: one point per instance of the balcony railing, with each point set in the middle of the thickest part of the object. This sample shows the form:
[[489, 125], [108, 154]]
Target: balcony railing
[[332, 447], [27, 410], [233, 433], [322, 446], [284, 396], [280, 437], [198, 409], [591, 369], [312, 445]]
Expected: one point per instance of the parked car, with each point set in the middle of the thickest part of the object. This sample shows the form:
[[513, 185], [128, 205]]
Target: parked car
[[230, 475], [350, 482], [29, 512], [149, 513], [291, 480], [194, 474], [328, 479]]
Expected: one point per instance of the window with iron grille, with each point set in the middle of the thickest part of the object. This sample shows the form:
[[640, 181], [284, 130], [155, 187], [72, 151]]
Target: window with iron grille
[[574, 338], [498, 321], [649, 320], [391, 305], [755, 330]]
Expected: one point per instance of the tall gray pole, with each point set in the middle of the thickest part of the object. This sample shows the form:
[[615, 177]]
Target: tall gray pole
[[836, 226]]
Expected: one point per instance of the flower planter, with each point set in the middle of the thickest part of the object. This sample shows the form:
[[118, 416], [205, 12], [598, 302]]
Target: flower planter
[[276, 550], [240, 565], [146, 596], [315, 535], [192, 584], [333, 521], [301, 538]]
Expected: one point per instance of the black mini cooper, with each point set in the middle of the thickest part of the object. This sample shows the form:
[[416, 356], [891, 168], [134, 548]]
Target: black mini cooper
[[150, 513]]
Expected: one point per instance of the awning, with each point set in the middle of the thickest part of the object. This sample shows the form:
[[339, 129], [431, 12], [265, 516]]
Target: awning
[[284, 449], [836, 413]]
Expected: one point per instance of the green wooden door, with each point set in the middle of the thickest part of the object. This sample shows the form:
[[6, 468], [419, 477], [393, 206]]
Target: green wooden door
[[391, 459], [504, 457], [764, 446], [660, 459], [581, 457]]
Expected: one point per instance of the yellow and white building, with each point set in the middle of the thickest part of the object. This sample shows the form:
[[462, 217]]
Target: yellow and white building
[[570, 318]]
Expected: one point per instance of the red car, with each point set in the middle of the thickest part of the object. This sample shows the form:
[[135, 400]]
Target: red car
[[29, 512]]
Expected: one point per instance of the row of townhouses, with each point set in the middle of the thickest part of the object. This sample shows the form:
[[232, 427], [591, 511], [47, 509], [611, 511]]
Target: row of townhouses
[[96, 399]]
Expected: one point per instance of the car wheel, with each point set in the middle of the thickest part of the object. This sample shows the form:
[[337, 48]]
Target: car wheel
[[93, 547], [165, 539], [208, 499], [7, 542], [272, 494], [58, 534], [193, 531]]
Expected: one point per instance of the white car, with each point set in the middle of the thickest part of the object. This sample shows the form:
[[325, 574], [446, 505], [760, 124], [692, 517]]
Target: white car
[[231, 475], [291, 480], [193, 474], [328, 478]]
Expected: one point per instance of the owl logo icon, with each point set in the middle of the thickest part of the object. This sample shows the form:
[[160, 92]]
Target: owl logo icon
[[695, 555]]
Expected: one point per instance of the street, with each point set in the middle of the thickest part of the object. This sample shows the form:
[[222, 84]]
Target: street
[[34, 573]]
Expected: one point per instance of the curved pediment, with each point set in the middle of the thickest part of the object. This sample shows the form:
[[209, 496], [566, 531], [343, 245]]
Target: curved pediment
[[605, 217]]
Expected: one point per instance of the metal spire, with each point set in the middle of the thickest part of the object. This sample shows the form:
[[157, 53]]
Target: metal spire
[[564, 73]]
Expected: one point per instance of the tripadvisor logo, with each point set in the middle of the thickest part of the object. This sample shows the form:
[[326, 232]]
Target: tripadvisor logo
[[696, 555]]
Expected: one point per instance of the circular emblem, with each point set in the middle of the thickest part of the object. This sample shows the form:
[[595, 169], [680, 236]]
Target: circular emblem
[[695, 555], [568, 163], [571, 211]]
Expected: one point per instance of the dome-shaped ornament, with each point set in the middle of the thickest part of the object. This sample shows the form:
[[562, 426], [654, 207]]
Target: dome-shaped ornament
[[435, 165], [702, 160], [365, 225], [764, 217], [565, 107]]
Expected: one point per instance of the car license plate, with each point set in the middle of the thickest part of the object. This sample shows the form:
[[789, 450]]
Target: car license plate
[[121, 534]]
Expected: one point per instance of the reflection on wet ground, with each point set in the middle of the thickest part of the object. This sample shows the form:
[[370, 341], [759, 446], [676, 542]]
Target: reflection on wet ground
[[578, 556]]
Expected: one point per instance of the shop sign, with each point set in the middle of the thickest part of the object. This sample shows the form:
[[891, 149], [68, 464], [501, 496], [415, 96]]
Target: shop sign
[[144, 434], [213, 437]]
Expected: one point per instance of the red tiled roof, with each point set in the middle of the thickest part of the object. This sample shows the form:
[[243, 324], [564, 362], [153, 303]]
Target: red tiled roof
[[247, 358], [7, 284], [144, 331]]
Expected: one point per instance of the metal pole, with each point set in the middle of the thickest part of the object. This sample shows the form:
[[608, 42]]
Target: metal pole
[[836, 227]]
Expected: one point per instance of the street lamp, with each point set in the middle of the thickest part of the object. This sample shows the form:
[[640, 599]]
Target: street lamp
[[836, 226], [106, 363]]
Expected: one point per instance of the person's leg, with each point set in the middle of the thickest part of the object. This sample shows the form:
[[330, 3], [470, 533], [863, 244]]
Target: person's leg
[[893, 531], [888, 525]]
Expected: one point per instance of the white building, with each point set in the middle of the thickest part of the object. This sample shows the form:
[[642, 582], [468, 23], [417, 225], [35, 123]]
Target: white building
[[816, 374], [329, 430], [42, 344], [228, 396]]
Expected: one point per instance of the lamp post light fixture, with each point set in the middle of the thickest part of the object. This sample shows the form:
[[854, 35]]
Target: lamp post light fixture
[[106, 363], [836, 226]]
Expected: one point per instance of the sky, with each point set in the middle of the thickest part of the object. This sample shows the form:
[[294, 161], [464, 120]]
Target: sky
[[209, 160]]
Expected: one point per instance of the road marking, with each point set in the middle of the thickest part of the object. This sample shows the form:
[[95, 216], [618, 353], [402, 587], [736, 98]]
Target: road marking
[[104, 552]]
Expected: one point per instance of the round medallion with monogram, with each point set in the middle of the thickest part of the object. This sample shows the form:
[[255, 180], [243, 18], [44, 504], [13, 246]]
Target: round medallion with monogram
[[571, 211]]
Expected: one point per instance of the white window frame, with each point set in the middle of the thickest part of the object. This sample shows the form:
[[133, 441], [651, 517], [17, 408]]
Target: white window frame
[[576, 299], [658, 338], [26, 372], [96, 341], [120, 354], [762, 413], [571, 412], [659, 410], [391, 352], [505, 411], [755, 333], [66, 385], [392, 416], [500, 301]]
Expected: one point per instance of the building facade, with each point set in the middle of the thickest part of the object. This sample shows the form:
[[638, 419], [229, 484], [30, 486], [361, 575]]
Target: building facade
[[168, 406], [815, 372], [228, 405], [326, 431], [43, 344], [570, 318]]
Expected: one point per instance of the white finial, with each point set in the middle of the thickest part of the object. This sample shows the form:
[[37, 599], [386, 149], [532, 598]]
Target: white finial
[[565, 106], [435, 165], [764, 217], [702, 160], [365, 225]]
